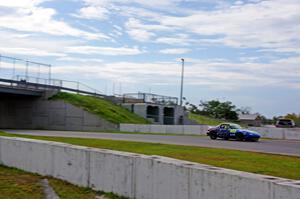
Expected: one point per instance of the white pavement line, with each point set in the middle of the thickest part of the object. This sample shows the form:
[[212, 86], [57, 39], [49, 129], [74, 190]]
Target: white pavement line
[[48, 190]]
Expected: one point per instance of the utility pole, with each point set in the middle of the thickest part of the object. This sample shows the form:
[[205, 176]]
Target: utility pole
[[182, 74]]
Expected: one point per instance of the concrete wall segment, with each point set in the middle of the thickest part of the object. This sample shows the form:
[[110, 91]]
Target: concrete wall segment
[[48, 114], [140, 176]]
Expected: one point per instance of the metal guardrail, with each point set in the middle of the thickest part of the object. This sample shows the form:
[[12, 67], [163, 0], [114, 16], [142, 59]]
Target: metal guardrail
[[149, 98], [26, 65], [59, 83], [24, 84], [11, 68]]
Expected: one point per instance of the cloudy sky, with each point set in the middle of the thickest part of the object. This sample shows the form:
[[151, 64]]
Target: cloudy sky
[[247, 51]]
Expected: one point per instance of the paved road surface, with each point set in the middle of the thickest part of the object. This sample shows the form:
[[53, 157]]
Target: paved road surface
[[267, 146]]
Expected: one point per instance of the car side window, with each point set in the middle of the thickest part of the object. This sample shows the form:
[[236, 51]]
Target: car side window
[[224, 126]]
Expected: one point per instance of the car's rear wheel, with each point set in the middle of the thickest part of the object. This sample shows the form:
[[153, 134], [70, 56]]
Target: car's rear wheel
[[213, 136]]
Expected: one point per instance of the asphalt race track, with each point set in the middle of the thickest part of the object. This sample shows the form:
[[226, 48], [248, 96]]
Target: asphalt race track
[[285, 147]]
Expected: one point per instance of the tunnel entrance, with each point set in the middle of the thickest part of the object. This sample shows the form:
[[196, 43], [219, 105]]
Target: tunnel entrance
[[153, 113], [168, 115], [16, 111]]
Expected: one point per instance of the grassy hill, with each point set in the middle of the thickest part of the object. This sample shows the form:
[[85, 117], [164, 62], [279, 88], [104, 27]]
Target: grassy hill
[[200, 119], [101, 107]]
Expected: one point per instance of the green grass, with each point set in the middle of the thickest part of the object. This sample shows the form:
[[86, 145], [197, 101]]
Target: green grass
[[139, 133], [66, 190], [200, 119], [268, 164], [101, 107], [18, 184]]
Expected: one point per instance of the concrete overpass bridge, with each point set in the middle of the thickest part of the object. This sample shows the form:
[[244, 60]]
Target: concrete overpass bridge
[[25, 88], [25, 105], [17, 90], [19, 77]]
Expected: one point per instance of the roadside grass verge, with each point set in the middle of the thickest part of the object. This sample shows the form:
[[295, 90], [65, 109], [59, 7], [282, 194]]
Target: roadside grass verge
[[153, 133], [260, 163], [101, 107], [18, 184], [136, 133]]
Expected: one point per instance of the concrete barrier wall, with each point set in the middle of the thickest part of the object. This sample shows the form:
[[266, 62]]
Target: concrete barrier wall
[[165, 129], [266, 132], [50, 115], [278, 133], [140, 176]]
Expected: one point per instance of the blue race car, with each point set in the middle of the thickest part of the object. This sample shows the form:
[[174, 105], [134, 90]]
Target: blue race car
[[232, 131]]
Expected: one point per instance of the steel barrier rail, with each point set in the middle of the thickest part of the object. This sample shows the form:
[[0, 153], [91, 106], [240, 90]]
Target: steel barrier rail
[[39, 87], [58, 82]]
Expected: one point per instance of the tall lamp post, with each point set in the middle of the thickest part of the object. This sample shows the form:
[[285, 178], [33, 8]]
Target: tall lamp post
[[182, 74]]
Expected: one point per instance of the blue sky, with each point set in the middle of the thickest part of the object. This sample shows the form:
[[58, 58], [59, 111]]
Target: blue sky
[[247, 52]]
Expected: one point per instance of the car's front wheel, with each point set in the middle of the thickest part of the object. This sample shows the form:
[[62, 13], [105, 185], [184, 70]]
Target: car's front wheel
[[239, 137]]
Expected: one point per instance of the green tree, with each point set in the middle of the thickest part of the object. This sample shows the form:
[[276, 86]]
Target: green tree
[[294, 117], [220, 110]]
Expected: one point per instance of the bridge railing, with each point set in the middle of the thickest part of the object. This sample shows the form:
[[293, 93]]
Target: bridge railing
[[16, 72], [39, 85], [74, 86], [12, 66]]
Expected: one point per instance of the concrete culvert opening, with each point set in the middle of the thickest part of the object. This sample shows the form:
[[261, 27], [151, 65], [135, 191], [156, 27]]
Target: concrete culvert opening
[[168, 115], [153, 113]]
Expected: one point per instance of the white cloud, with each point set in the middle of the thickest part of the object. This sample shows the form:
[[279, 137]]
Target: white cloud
[[140, 35], [146, 3], [14, 43], [91, 12], [270, 25], [143, 32], [30, 51], [175, 51], [133, 23], [30, 17], [177, 39], [266, 24], [104, 50], [20, 4], [76, 59], [103, 9]]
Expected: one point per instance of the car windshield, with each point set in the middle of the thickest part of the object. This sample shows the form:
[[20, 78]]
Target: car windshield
[[235, 126]]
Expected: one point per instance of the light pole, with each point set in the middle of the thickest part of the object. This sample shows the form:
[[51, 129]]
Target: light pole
[[26, 70], [182, 74], [49, 73]]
